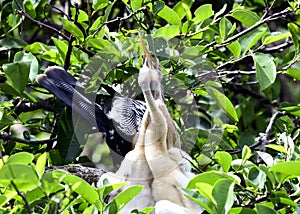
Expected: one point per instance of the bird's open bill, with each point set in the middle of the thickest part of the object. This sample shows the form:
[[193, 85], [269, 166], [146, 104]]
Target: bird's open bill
[[148, 56]]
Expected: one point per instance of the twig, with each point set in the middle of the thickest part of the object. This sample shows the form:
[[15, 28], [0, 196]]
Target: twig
[[22, 196], [6, 136], [70, 46], [120, 19], [25, 106], [263, 137], [257, 24], [43, 25]]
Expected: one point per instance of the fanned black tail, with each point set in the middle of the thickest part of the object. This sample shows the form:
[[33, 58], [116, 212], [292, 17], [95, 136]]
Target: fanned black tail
[[65, 87]]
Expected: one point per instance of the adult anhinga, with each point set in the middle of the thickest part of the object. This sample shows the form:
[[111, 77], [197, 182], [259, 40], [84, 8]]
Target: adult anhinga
[[125, 113]]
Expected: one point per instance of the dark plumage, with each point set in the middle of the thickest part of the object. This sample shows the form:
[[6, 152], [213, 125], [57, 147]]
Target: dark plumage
[[125, 113]]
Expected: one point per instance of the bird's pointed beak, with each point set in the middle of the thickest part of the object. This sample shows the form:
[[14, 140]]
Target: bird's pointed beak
[[147, 55]]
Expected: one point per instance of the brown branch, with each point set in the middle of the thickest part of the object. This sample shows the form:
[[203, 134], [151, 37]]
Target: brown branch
[[273, 17], [25, 106], [120, 19], [7, 137], [41, 24], [22, 196], [263, 137]]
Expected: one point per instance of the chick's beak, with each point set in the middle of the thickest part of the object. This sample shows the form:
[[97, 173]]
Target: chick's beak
[[148, 58]]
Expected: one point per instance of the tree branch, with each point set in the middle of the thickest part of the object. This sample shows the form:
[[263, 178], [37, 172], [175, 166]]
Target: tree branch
[[263, 137], [41, 24], [22, 196], [120, 19], [6, 136], [273, 17]]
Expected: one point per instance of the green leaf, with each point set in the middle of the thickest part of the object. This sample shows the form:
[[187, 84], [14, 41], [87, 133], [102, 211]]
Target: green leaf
[[41, 163], [182, 8], [223, 194], [168, 31], [257, 177], [223, 102], [11, 43], [245, 16], [17, 75], [288, 168], [136, 4], [293, 30], [209, 178], [158, 6], [23, 176], [241, 210], [294, 110], [169, 15], [224, 27], [250, 39], [98, 43], [53, 56], [37, 48], [224, 159], [246, 153], [20, 157], [265, 70], [203, 201], [78, 185], [262, 209], [62, 47], [123, 198], [235, 48], [34, 64], [29, 9], [73, 29], [203, 12], [294, 72], [99, 4], [278, 148], [274, 37], [82, 15], [67, 138]]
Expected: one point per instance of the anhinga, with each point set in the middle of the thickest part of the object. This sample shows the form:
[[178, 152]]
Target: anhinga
[[156, 162], [126, 113]]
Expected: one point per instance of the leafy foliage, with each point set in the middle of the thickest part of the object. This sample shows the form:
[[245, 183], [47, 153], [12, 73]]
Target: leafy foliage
[[238, 61]]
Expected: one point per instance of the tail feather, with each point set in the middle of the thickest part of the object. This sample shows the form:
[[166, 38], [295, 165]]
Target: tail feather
[[126, 113], [62, 85]]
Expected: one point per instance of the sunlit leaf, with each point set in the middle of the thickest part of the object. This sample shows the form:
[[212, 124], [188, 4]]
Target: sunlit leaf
[[224, 159], [235, 48], [34, 64], [168, 31], [78, 185], [203, 12], [265, 69], [169, 15], [223, 194], [17, 75], [247, 17], [274, 37], [99, 4], [223, 102], [294, 72], [289, 168], [123, 198], [20, 157], [73, 29]]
